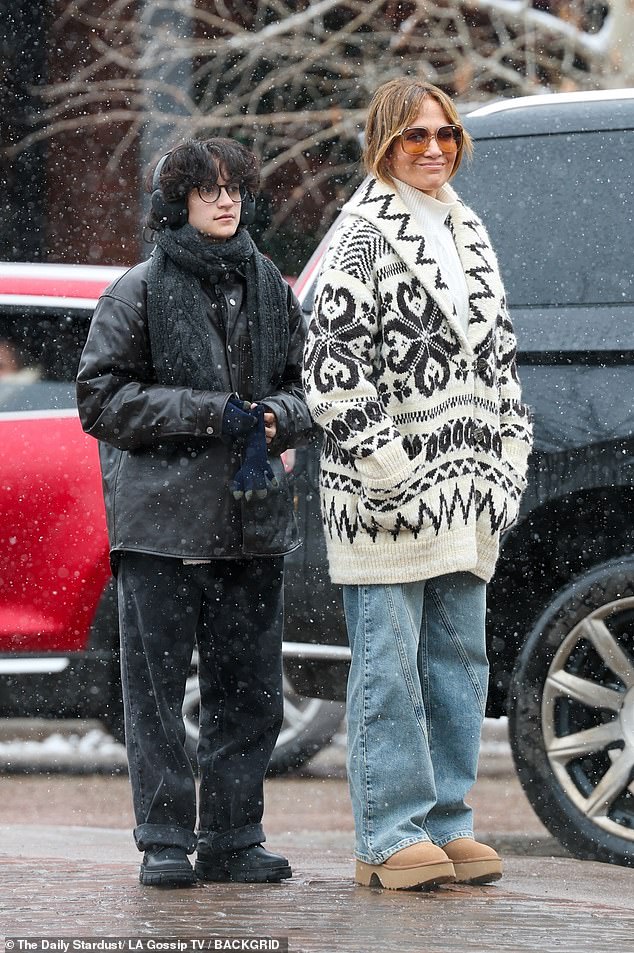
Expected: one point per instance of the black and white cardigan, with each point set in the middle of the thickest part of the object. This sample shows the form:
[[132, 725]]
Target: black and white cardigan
[[426, 437]]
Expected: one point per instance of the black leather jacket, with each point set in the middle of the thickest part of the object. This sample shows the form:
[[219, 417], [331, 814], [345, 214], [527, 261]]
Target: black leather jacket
[[166, 466]]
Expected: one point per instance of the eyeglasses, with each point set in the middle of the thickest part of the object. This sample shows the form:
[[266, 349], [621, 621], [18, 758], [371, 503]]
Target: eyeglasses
[[211, 193], [416, 139]]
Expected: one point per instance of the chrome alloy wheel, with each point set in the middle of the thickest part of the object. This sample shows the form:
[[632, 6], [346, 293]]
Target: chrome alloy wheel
[[588, 717]]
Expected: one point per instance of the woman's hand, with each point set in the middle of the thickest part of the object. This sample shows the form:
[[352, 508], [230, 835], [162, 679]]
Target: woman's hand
[[270, 424]]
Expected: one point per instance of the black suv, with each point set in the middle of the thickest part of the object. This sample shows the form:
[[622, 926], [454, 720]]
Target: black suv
[[552, 178]]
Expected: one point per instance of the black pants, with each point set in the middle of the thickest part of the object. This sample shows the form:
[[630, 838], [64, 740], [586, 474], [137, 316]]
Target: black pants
[[233, 609]]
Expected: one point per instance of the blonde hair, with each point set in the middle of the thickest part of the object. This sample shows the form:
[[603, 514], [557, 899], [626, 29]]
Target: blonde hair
[[393, 108]]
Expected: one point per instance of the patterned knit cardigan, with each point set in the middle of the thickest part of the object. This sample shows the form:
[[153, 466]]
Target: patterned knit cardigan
[[426, 437]]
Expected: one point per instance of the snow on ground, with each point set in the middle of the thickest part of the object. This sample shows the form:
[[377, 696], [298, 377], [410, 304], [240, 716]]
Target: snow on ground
[[85, 747], [73, 745]]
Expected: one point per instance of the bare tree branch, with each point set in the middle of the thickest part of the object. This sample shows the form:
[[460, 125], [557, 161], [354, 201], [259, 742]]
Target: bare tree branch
[[295, 76]]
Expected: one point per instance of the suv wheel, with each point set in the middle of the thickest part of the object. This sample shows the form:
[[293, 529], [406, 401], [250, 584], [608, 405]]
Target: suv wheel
[[309, 725], [572, 715]]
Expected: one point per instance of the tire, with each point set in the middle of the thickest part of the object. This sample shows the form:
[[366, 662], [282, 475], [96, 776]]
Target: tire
[[571, 715], [309, 725]]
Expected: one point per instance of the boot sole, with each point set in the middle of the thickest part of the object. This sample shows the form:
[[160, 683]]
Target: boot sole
[[478, 871], [409, 878], [166, 878], [221, 875]]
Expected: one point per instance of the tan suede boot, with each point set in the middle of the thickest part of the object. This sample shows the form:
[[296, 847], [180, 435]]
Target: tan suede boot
[[420, 865], [474, 863]]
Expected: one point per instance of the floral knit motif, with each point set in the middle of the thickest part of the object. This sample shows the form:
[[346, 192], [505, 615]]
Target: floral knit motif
[[426, 438]]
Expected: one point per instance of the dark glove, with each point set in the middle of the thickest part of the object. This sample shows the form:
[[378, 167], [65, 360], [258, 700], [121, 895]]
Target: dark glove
[[255, 472], [237, 419]]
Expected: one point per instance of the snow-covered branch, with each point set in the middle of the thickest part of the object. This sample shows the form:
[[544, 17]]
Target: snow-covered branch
[[523, 15], [294, 77]]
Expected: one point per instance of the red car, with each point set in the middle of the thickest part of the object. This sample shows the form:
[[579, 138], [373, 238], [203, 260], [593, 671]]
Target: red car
[[58, 621]]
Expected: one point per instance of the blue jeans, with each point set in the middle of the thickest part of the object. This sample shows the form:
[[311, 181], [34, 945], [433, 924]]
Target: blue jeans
[[416, 698]]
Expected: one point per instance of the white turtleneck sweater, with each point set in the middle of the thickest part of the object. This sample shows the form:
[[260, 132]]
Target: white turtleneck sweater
[[431, 214]]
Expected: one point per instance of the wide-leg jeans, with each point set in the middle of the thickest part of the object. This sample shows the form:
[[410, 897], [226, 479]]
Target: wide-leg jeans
[[416, 699], [233, 610]]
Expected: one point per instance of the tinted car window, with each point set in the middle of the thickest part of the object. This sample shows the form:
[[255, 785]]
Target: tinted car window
[[551, 189], [46, 339], [39, 354]]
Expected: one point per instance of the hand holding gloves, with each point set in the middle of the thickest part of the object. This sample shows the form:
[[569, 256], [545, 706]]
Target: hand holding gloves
[[255, 475], [237, 420]]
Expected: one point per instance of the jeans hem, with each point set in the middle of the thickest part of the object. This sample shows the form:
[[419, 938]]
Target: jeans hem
[[210, 842], [382, 856], [447, 838], [147, 836]]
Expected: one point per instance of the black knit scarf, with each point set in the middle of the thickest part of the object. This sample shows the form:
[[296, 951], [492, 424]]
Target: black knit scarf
[[178, 319]]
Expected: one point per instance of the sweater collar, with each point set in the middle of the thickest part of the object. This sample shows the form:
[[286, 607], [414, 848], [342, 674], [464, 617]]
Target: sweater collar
[[384, 208], [428, 211]]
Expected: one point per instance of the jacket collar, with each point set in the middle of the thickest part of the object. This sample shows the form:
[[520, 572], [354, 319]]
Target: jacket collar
[[383, 207]]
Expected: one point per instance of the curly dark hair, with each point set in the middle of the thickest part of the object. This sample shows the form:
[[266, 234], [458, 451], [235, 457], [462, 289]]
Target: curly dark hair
[[198, 162]]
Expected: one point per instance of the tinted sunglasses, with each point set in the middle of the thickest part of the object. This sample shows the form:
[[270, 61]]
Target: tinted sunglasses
[[416, 139]]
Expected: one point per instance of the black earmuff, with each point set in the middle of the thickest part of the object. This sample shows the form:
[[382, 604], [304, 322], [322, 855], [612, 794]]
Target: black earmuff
[[173, 214], [247, 213]]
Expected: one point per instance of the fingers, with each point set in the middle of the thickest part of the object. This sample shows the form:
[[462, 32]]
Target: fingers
[[259, 494], [270, 424], [257, 487]]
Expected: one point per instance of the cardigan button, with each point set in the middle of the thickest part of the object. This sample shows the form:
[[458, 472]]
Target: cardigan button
[[478, 434], [210, 430]]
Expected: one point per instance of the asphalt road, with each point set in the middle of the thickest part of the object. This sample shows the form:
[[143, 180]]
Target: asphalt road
[[71, 773]]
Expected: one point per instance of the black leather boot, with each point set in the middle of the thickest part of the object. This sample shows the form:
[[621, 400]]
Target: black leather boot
[[166, 867], [249, 865]]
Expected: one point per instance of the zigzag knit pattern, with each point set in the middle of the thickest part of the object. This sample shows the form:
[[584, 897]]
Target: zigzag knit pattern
[[426, 437]]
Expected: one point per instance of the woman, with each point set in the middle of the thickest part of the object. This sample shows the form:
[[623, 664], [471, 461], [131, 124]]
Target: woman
[[191, 381], [410, 370]]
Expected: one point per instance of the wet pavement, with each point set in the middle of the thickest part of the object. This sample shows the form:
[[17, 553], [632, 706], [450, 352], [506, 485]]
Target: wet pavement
[[82, 883], [64, 873]]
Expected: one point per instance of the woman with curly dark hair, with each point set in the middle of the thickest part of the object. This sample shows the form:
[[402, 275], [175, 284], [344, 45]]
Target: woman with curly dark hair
[[191, 382]]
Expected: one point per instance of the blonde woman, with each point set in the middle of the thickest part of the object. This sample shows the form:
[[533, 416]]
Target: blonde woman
[[410, 370]]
